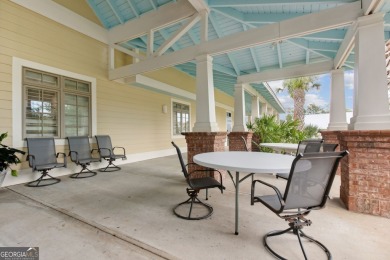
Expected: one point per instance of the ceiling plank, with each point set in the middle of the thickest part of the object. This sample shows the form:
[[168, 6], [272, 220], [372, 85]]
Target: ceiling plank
[[165, 36], [253, 54], [153, 4], [279, 55], [254, 18], [133, 8], [306, 45], [296, 27], [332, 35], [115, 11], [307, 56], [220, 34], [166, 15], [286, 73]]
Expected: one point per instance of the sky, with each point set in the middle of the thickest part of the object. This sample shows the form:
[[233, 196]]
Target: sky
[[319, 97]]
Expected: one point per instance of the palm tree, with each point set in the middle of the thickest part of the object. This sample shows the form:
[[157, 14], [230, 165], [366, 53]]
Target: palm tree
[[297, 89]]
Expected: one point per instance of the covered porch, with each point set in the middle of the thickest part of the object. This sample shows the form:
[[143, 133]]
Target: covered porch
[[128, 215]]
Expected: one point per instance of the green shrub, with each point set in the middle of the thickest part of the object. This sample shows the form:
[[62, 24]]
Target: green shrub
[[271, 130]]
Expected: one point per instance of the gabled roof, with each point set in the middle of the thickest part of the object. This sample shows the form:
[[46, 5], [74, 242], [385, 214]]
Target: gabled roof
[[230, 18]]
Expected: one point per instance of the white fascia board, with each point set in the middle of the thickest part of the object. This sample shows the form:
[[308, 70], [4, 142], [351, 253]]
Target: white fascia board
[[253, 92], [299, 26], [166, 88], [65, 17], [290, 72], [161, 86], [165, 15], [274, 95]]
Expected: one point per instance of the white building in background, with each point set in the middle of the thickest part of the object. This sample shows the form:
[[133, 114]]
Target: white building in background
[[322, 120]]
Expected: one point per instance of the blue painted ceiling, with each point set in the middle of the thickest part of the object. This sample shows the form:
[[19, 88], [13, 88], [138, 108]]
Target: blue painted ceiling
[[232, 16]]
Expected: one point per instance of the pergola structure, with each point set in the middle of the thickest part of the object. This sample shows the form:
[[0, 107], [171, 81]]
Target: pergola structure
[[237, 46]]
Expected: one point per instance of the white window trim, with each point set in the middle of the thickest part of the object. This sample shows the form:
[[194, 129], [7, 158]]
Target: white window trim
[[185, 103], [17, 96]]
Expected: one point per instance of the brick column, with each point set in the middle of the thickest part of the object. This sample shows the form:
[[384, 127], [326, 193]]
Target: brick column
[[365, 178], [237, 144], [331, 137], [203, 142]]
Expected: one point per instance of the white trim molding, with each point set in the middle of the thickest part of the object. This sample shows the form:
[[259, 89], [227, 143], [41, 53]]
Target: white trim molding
[[155, 85], [17, 96], [64, 16]]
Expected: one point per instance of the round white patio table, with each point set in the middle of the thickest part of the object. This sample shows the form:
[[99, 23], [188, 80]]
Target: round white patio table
[[247, 162], [280, 147]]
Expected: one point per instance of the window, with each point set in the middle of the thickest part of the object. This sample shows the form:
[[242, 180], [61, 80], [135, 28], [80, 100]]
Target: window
[[55, 105], [180, 118]]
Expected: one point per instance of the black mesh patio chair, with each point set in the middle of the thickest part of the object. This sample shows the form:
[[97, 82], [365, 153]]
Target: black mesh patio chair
[[107, 152], [310, 180], [196, 184], [312, 148], [329, 147], [42, 157], [81, 154], [305, 146]]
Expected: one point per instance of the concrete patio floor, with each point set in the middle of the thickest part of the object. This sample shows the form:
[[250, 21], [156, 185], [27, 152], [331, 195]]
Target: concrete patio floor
[[128, 215]]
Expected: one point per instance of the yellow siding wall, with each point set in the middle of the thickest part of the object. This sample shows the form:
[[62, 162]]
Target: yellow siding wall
[[131, 115]]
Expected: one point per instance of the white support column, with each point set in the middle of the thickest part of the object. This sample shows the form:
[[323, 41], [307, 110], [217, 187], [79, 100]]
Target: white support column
[[337, 116], [371, 104], [205, 101], [264, 109], [239, 109], [255, 108]]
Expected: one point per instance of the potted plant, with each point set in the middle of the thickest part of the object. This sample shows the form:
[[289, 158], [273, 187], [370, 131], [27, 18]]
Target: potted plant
[[7, 157]]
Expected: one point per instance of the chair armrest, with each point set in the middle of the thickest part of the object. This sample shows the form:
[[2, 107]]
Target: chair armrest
[[64, 156], [123, 150], [191, 163], [32, 163], [280, 197], [209, 170], [77, 156]]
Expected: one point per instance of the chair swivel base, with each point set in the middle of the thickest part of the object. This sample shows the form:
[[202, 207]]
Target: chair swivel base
[[190, 202], [41, 182], [84, 173], [110, 168], [299, 233]]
